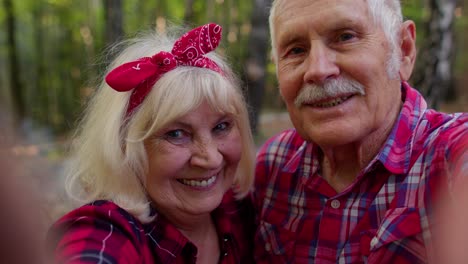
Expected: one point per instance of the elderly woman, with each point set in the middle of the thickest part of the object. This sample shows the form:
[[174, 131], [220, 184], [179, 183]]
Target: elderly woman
[[163, 160]]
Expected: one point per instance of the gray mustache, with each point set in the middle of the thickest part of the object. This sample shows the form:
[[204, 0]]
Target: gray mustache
[[331, 88]]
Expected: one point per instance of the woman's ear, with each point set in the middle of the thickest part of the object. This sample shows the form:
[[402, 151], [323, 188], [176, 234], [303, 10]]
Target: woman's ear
[[407, 49]]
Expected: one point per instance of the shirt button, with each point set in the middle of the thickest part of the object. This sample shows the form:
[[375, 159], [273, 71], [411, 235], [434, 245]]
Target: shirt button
[[335, 204], [373, 242], [267, 247]]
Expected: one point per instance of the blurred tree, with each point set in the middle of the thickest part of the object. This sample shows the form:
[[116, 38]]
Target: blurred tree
[[14, 68], [40, 85], [49, 48], [210, 9], [189, 13], [255, 65], [113, 20], [434, 77]]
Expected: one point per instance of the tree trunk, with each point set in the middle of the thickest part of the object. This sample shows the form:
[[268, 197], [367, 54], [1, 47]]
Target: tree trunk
[[189, 14], [16, 88], [255, 65], [435, 77], [114, 24], [210, 10], [41, 85]]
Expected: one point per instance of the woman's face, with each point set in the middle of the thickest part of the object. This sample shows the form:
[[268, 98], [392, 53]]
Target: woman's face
[[192, 162]]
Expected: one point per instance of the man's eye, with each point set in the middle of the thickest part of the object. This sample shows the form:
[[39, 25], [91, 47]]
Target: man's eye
[[296, 50], [345, 37]]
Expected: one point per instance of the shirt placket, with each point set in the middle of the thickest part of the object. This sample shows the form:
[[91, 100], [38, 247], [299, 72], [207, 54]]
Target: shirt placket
[[329, 233], [328, 225], [225, 249]]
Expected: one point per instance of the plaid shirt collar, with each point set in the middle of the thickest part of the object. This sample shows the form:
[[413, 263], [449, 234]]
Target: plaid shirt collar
[[162, 232], [397, 150]]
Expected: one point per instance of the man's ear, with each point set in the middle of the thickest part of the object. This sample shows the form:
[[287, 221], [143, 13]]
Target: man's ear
[[408, 49]]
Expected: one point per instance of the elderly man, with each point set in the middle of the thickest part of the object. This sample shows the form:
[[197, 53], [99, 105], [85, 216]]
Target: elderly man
[[358, 178]]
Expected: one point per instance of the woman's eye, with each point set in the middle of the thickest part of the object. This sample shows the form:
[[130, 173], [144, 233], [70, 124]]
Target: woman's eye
[[223, 126], [177, 136], [174, 134]]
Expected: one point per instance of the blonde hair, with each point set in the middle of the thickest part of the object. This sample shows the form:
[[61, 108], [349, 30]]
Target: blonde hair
[[109, 160]]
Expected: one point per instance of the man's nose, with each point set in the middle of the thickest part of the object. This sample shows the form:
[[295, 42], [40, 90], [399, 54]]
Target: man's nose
[[321, 64], [206, 155]]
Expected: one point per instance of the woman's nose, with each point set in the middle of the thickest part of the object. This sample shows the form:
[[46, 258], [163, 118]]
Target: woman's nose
[[206, 155]]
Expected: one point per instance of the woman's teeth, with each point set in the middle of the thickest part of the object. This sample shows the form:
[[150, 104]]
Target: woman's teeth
[[198, 183], [332, 103]]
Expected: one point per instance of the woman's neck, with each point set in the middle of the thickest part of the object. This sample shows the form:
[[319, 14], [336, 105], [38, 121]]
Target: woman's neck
[[202, 232]]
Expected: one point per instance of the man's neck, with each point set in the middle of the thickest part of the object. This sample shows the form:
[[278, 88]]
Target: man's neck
[[341, 165]]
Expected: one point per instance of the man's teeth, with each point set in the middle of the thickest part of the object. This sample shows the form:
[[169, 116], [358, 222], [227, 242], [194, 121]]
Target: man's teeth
[[197, 183], [332, 103]]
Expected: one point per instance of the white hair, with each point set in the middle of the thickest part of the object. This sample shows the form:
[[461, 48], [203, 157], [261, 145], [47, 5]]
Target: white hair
[[385, 13], [388, 14], [109, 160]]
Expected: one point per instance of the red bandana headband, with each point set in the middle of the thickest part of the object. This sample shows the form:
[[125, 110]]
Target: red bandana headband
[[142, 74]]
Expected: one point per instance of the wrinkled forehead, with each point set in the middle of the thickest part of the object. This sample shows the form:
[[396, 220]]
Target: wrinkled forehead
[[289, 8], [319, 15]]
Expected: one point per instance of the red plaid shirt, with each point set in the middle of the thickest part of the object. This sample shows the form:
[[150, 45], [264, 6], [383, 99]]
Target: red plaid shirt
[[102, 232], [385, 216]]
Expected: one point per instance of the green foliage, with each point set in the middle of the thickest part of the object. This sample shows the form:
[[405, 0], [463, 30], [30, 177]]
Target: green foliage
[[461, 26], [59, 44], [416, 11]]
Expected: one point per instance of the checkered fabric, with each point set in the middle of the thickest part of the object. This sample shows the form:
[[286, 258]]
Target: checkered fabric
[[102, 232], [385, 216]]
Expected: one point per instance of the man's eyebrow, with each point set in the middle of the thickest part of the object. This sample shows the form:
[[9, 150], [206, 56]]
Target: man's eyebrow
[[285, 39], [347, 23]]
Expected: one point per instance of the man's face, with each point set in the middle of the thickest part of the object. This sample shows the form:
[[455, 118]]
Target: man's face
[[334, 47]]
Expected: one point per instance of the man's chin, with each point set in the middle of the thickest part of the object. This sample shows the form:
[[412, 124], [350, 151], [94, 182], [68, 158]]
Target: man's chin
[[328, 136]]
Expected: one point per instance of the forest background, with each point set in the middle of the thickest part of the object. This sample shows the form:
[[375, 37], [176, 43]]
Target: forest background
[[51, 55]]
